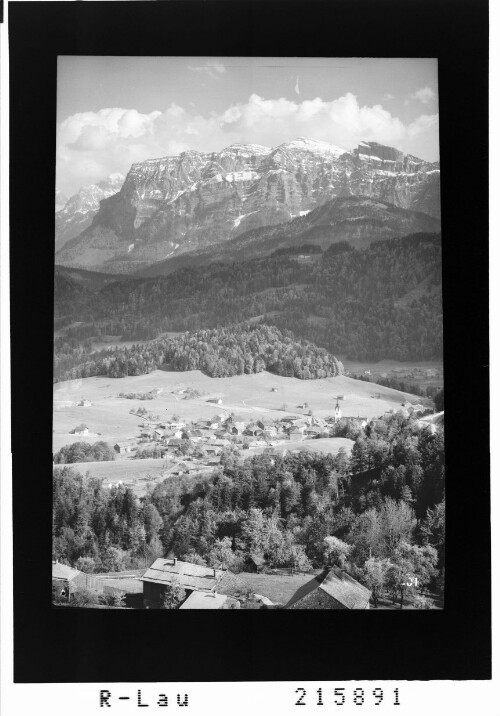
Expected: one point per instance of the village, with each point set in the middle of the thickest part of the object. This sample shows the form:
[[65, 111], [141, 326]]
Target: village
[[167, 430], [197, 446]]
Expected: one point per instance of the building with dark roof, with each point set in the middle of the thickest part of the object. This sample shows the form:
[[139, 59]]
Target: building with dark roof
[[191, 577], [334, 589]]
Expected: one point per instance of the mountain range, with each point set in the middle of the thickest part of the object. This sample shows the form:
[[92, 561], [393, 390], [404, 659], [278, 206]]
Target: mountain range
[[245, 201]]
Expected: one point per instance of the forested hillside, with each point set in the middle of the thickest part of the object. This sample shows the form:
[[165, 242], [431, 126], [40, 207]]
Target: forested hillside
[[379, 511], [246, 348], [381, 302]]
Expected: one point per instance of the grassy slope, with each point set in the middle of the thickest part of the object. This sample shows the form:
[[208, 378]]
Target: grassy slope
[[247, 395]]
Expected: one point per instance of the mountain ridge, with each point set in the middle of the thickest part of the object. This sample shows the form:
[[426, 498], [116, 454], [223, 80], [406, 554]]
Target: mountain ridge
[[358, 220], [173, 205]]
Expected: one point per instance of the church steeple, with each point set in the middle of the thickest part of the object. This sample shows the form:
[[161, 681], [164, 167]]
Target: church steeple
[[338, 412]]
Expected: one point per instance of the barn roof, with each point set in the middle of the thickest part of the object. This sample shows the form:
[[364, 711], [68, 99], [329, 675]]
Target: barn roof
[[204, 600], [345, 589], [191, 576], [62, 571], [339, 585]]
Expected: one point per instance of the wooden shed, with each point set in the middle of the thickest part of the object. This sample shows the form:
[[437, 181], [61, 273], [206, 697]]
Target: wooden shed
[[255, 562]]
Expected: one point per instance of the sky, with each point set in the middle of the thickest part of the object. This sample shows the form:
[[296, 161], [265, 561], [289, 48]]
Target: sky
[[114, 111]]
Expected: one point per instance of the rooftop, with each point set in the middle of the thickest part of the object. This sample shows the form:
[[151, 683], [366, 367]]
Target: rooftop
[[191, 576], [62, 571], [204, 600], [339, 585]]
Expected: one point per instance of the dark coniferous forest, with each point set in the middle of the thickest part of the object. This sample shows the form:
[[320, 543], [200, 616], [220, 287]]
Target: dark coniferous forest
[[378, 303]]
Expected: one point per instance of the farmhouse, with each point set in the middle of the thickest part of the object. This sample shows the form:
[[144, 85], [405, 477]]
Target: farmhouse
[[176, 424], [334, 589], [235, 427], [192, 577], [124, 447], [217, 401], [213, 449], [252, 429], [80, 430], [85, 403], [66, 580]]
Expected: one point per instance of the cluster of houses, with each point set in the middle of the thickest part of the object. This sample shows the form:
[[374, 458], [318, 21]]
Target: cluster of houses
[[203, 587], [199, 444]]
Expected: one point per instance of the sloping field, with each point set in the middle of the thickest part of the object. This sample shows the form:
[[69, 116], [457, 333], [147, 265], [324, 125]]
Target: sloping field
[[321, 445], [250, 396], [126, 471], [279, 588]]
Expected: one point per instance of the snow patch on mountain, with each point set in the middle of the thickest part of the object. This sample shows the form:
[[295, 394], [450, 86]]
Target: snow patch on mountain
[[316, 146]]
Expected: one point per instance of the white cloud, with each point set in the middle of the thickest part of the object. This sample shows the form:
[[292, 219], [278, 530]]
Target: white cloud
[[213, 69], [92, 145], [425, 95], [387, 97], [422, 124]]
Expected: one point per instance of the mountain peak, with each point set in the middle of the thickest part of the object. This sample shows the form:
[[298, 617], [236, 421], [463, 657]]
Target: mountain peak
[[258, 149], [318, 146]]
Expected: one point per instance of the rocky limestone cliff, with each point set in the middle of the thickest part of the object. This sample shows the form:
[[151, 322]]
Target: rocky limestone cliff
[[75, 214], [174, 205]]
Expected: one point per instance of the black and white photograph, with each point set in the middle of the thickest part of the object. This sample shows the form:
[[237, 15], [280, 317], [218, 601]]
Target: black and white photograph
[[248, 334], [248, 249]]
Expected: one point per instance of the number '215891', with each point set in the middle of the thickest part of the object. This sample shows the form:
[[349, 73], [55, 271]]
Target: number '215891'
[[341, 696]]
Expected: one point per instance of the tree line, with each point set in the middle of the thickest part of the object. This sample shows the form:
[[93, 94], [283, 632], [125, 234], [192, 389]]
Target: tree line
[[235, 350]]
